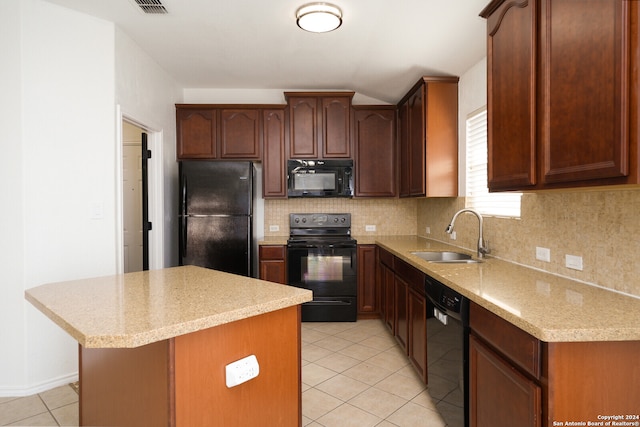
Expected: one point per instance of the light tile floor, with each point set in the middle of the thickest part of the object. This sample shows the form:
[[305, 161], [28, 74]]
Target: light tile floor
[[56, 407], [353, 374]]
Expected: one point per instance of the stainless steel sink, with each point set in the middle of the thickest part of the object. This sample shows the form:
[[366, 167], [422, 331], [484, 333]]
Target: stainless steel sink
[[446, 257]]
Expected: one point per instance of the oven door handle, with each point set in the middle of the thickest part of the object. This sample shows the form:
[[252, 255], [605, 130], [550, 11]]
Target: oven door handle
[[327, 302]]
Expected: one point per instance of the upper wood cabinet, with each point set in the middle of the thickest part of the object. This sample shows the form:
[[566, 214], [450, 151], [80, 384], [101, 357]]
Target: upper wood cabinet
[[240, 133], [562, 93], [319, 124], [428, 133], [274, 166], [217, 132], [197, 133], [374, 135]]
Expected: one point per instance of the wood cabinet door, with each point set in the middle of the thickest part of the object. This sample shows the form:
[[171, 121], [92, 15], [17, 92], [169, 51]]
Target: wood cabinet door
[[197, 133], [585, 98], [240, 134], [401, 314], [335, 135], [416, 151], [273, 265], [511, 103], [375, 160], [441, 140], [388, 289], [274, 166], [303, 126], [368, 290], [499, 395], [404, 165], [417, 305]]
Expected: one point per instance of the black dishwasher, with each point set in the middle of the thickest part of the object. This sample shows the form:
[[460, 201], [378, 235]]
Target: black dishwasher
[[447, 352]]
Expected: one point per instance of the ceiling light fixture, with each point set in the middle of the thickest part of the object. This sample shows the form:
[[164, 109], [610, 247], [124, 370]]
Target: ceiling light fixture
[[319, 17]]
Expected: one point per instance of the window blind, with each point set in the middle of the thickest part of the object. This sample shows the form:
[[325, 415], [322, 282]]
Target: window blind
[[478, 196]]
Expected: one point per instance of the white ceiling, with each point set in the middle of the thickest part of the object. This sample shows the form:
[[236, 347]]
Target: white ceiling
[[380, 51]]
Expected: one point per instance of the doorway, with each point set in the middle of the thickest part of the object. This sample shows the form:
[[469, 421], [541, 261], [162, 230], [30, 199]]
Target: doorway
[[135, 252], [130, 144]]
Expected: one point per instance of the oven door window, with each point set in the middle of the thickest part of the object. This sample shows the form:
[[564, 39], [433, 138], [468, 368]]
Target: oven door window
[[323, 268], [330, 271], [314, 181]]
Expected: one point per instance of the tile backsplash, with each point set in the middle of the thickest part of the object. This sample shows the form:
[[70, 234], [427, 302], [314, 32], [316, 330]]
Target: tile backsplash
[[603, 227], [390, 216]]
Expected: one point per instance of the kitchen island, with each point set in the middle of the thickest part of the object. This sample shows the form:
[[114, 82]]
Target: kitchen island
[[153, 346]]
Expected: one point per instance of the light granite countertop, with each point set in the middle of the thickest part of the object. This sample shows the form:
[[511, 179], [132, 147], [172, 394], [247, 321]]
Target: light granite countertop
[[549, 307], [134, 309]]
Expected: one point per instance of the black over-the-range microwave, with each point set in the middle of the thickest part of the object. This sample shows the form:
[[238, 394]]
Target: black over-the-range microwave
[[320, 178]]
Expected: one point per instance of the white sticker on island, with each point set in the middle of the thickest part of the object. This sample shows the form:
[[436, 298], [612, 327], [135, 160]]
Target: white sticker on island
[[242, 370]]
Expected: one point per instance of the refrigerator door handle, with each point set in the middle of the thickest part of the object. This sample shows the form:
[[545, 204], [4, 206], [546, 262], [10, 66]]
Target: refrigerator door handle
[[183, 216]]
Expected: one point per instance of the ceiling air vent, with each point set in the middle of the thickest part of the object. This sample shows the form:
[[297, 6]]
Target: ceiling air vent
[[151, 6]]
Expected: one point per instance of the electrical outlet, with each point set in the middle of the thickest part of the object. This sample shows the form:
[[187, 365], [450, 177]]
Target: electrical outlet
[[428, 230], [242, 371], [274, 228], [369, 228], [573, 262], [543, 254]]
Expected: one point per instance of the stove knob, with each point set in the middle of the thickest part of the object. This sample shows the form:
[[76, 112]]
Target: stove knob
[[335, 219], [304, 220], [296, 220], [343, 219]]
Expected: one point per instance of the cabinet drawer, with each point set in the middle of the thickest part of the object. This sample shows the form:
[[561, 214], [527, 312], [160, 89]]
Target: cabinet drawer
[[413, 277], [276, 252], [514, 343], [386, 257]]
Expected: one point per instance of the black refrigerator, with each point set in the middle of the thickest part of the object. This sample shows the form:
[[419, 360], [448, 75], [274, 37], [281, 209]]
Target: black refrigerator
[[216, 216]]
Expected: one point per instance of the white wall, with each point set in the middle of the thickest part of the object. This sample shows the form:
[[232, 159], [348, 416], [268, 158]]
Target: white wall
[[147, 94], [255, 96], [57, 160], [58, 163], [12, 349]]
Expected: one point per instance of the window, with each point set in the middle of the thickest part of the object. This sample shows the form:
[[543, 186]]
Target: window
[[478, 196]]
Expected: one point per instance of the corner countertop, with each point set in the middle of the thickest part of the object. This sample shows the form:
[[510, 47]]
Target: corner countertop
[[134, 309], [549, 307]]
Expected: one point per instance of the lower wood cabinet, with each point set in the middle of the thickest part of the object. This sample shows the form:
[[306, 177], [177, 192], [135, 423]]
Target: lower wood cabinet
[[404, 307], [417, 314], [402, 315], [518, 380], [368, 286], [499, 395], [273, 265], [385, 279]]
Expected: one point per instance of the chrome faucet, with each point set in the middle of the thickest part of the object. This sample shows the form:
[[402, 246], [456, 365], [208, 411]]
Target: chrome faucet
[[482, 248]]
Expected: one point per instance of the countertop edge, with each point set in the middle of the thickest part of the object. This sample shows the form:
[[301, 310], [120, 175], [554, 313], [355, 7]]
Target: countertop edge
[[168, 332]]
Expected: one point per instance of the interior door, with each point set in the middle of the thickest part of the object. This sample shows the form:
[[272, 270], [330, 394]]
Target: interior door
[[135, 207], [132, 207]]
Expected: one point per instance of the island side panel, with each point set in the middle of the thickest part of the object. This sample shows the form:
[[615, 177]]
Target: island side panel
[[588, 380], [126, 386], [272, 398]]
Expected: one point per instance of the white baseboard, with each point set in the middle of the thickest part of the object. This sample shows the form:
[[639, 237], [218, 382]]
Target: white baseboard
[[38, 388]]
